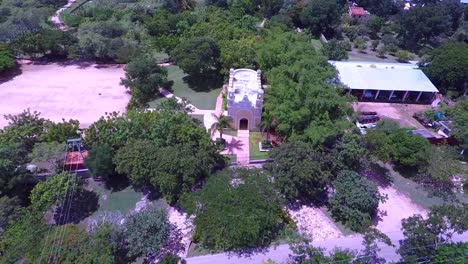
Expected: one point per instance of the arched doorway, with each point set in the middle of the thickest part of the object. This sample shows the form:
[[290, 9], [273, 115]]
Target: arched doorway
[[244, 124]]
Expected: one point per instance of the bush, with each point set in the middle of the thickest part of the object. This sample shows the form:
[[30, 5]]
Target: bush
[[355, 201], [375, 44], [7, 60], [360, 44], [145, 232], [404, 56], [335, 50]]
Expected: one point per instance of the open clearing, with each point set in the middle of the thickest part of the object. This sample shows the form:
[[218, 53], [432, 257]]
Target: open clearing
[[81, 91], [402, 113], [204, 98]]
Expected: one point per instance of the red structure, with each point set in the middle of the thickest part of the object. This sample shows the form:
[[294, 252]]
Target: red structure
[[75, 160], [355, 11]]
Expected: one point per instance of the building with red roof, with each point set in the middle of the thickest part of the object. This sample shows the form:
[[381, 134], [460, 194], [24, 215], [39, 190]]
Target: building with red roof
[[355, 11]]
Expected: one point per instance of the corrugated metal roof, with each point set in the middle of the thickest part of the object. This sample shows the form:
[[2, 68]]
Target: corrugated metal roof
[[383, 76]]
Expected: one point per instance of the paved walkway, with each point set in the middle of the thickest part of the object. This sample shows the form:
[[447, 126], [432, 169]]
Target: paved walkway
[[55, 19], [281, 253], [243, 155]]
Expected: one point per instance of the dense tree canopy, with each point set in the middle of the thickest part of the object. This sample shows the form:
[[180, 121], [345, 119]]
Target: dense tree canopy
[[459, 115], [429, 238], [355, 200], [322, 16], [391, 143], [447, 67], [304, 100], [299, 172], [145, 232], [421, 24], [199, 57], [236, 209]]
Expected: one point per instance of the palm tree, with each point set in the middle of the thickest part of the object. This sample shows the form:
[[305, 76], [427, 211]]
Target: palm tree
[[221, 123], [266, 124]]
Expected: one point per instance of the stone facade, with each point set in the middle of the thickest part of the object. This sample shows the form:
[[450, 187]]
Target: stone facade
[[245, 99]]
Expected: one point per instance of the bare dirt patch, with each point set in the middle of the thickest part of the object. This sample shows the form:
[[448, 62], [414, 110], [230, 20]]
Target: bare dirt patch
[[402, 113], [313, 224], [80, 91], [396, 208]]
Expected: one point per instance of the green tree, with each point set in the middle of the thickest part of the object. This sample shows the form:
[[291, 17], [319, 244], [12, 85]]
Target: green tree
[[447, 67], [454, 253], [355, 200], [440, 167], [236, 209], [267, 124], [298, 172], [61, 192], [7, 60], [390, 143], [322, 16], [459, 115], [26, 128], [14, 178], [421, 24], [99, 161], [304, 102], [424, 237], [75, 245], [198, 57], [305, 253], [335, 50], [172, 170], [60, 132], [48, 156], [145, 232], [144, 77], [360, 44], [404, 56], [10, 212], [375, 24]]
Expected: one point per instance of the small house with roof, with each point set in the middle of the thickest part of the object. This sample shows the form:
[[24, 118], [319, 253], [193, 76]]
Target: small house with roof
[[357, 12], [245, 99]]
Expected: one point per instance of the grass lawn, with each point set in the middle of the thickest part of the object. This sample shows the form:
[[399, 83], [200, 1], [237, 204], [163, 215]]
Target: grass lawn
[[205, 99], [255, 153], [122, 201]]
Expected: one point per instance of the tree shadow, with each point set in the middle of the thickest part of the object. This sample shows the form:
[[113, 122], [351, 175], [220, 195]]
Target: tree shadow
[[11, 74], [117, 183], [83, 204], [379, 175], [232, 145], [199, 84]]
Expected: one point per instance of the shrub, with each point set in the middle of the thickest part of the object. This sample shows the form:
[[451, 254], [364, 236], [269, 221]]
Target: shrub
[[355, 200], [404, 56]]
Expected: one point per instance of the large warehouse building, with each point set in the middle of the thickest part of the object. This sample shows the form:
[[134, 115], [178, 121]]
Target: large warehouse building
[[386, 82]]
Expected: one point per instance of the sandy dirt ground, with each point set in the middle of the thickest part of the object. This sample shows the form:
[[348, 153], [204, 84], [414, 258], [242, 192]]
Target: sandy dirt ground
[[397, 207], [79, 91], [314, 224], [403, 113]]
